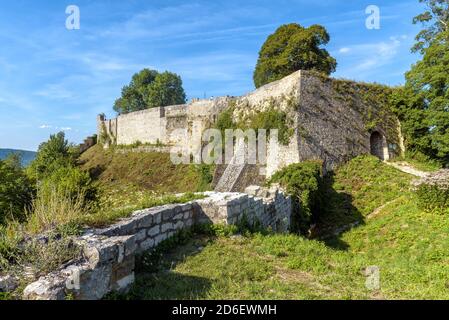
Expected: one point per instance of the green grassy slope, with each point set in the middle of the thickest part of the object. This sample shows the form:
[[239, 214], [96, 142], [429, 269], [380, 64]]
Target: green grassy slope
[[410, 247], [125, 177]]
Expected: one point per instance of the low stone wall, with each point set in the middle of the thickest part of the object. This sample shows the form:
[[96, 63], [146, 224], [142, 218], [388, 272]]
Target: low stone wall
[[110, 252]]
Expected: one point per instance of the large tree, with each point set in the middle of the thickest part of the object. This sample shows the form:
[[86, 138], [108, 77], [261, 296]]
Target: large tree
[[436, 19], [424, 106], [148, 89], [428, 83], [291, 48]]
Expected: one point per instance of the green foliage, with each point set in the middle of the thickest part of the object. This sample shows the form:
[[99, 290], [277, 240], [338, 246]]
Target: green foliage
[[437, 15], [304, 182], [206, 175], [16, 190], [166, 90], [149, 89], [51, 155], [291, 48], [225, 120], [70, 182], [39, 258], [272, 119], [269, 119], [216, 230], [424, 107], [433, 198]]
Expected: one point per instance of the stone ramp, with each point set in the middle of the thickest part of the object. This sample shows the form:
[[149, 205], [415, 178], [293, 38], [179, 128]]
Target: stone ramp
[[234, 169], [230, 177]]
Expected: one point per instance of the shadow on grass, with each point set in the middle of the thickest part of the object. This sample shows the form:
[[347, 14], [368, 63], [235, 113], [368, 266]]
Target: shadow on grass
[[338, 215], [157, 280]]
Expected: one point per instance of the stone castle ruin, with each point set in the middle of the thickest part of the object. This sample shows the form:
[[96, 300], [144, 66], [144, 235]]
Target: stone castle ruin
[[322, 119], [328, 119]]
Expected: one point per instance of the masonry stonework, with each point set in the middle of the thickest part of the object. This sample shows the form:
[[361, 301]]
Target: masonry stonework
[[332, 123], [110, 252]]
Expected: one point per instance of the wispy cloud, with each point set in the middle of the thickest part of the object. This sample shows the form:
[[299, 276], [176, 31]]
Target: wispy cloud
[[46, 126], [55, 91], [360, 61]]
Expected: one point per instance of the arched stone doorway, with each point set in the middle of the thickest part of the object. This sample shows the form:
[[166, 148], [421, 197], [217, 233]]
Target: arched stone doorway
[[378, 146]]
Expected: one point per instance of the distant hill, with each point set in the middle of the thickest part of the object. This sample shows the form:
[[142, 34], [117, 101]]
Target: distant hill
[[27, 156]]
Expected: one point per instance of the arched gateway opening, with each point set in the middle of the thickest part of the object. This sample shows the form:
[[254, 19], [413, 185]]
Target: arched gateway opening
[[377, 145]]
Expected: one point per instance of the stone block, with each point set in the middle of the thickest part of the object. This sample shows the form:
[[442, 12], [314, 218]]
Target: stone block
[[154, 231], [146, 245], [166, 227]]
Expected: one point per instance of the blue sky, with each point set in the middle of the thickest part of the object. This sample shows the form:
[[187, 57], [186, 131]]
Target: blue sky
[[53, 79]]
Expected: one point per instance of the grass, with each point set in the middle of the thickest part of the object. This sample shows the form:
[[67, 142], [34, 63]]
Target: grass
[[142, 171], [409, 246], [420, 162], [357, 189], [108, 215]]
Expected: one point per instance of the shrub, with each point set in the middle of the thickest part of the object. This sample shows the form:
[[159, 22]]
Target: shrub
[[206, 175], [304, 182], [15, 191], [68, 182], [55, 210], [51, 155], [432, 191], [273, 119]]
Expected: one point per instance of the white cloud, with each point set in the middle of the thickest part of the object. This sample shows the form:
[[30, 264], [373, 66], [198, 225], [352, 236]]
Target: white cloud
[[363, 59], [45, 126], [55, 91]]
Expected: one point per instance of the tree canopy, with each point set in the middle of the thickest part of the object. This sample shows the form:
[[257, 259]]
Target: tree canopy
[[436, 17], [423, 103], [292, 48], [51, 155], [428, 83], [148, 89]]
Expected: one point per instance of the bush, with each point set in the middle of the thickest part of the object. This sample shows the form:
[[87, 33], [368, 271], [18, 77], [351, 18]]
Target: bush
[[68, 182], [51, 155], [432, 191], [304, 182], [433, 198], [273, 119], [55, 210], [15, 191]]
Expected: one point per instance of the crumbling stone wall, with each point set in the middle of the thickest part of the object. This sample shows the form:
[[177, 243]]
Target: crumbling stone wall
[[331, 120], [171, 125], [110, 252]]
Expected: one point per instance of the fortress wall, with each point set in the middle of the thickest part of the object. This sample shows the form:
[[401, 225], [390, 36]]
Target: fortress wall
[[144, 126], [328, 129], [333, 126], [278, 91], [333, 121]]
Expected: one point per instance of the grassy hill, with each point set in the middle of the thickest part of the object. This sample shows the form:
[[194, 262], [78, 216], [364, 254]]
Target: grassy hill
[[410, 247], [126, 176], [27, 156]]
